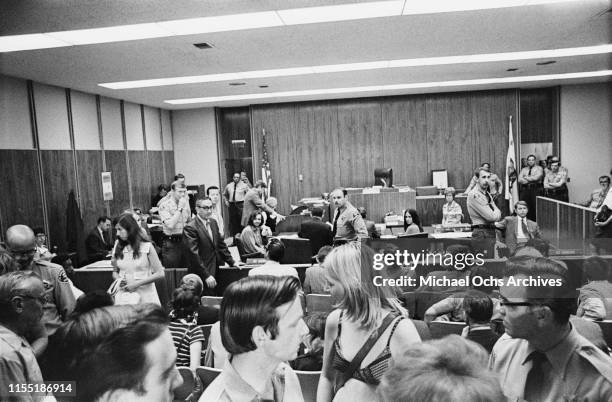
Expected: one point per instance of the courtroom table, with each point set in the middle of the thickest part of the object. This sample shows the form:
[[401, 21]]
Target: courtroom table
[[429, 208], [227, 275], [99, 276], [379, 204]]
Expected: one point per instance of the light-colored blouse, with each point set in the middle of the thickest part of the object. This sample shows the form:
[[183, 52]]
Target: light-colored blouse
[[138, 269], [451, 213]]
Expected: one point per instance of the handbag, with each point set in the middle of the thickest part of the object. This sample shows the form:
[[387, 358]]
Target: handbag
[[120, 296]]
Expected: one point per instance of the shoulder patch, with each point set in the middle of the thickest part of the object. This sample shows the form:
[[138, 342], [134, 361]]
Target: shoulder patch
[[598, 360], [62, 277]]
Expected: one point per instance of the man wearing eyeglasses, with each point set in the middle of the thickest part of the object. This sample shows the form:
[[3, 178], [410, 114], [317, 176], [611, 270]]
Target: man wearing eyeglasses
[[21, 244], [205, 247], [542, 357], [22, 297]]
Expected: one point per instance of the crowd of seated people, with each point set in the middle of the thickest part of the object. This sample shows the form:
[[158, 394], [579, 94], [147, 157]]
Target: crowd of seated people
[[126, 347]]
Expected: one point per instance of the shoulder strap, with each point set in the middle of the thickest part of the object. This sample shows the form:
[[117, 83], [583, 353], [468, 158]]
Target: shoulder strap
[[364, 351], [393, 330]]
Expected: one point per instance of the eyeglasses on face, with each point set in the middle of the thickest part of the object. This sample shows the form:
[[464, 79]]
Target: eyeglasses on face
[[515, 304]]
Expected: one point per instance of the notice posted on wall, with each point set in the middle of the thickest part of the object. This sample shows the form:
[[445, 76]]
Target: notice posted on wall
[[107, 186]]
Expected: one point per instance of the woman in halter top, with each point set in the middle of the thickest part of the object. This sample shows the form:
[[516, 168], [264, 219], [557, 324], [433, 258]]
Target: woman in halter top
[[366, 315]]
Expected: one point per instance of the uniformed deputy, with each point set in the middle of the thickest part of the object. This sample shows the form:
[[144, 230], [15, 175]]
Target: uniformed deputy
[[482, 209], [555, 181], [348, 225], [59, 299], [542, 357], [175, 214], [530, 185]]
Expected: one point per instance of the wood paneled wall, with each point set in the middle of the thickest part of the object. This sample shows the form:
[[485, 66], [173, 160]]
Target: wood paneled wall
[[66, 151], [539, 120], [333, 143]]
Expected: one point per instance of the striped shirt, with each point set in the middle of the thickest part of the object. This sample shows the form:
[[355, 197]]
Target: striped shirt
[[183, 335]]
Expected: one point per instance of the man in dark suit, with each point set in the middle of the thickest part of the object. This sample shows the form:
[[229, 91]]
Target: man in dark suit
[[478, 312], [519, 230], [253, 201], [98, 242], [205, 247], [318, 232]]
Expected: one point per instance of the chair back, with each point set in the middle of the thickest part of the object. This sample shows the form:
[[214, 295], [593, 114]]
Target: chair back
[[207, 375], [422, 329], [309, 381], [439, 329], [318, 302], [182, 392], [606, 328], [211, 301], [297, 251]]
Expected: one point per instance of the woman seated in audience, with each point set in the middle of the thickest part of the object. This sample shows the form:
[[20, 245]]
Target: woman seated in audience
[[186, 333], [595, 298], [206, 315], [451, 211], [253, 235], [412, 223], [368, 326], [135, 261], [449, 369], [312, 357]]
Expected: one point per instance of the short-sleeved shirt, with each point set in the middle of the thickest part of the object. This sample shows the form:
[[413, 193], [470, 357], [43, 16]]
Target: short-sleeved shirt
[[580, 371], [533, 174], [167, 209], [59, 293], [230, 387], [184, 334], [555, 178], [350, 225], [241, 190], [481, 207], [275, 269], [451, 213], [18, 365]]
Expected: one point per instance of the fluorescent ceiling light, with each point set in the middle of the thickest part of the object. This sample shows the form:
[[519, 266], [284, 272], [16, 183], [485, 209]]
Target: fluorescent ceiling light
[[446, 6], [14, 43], [343, 12], [378, 88], [118, 33], [265, 19], [222, 23], [363, 66]]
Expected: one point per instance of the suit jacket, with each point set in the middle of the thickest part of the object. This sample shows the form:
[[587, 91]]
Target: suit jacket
[[253, 202], [509, 224], [319, 234], [205, 255], [97, 248], [484, 337]]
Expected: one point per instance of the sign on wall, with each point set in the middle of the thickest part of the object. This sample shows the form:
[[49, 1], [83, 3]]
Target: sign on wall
[[107, 186]]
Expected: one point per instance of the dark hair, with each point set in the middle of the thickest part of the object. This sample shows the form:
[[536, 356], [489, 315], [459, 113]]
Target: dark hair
[[317, 211], [260, 183], [135, 238], [596, 269], [322, 254], [478, 308], [316, 324], [38, 230], [179, 176], [560, 299], [252, 218], [211, 188], [103, 219], [177, 185], [344, 192], [485, 163], [604, 177], [362, 211], [275, 249], [415, 219], [252, 302], [91, 300], [60, 258], [163, 187], [534, 157], [522, 203], [185, 303]]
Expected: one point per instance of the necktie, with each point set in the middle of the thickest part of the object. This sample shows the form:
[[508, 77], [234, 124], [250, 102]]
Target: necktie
[[336, 221], [524, 227], [536, 385], [529, 174], [234, 194], [207, 226]]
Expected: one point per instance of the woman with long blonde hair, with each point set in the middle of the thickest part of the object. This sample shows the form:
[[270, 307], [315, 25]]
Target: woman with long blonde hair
[[364, 332]]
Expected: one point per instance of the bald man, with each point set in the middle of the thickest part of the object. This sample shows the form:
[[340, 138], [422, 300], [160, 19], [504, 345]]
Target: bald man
[[21, 245]]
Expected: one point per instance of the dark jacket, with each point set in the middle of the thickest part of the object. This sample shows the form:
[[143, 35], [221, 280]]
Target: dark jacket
[[319, 234], [97, 248], [205, 255]]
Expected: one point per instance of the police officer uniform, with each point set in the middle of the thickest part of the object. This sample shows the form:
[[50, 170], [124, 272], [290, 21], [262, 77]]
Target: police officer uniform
[[60, 298], [483, 213], [573, 370]]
